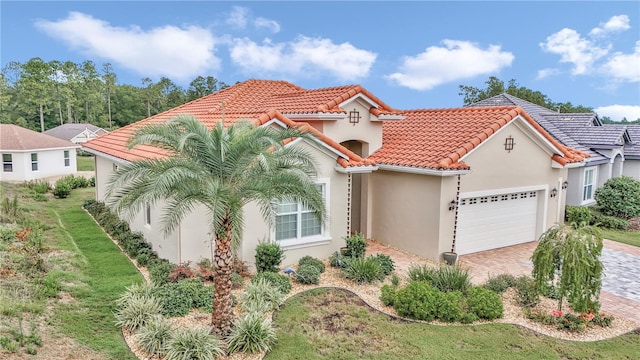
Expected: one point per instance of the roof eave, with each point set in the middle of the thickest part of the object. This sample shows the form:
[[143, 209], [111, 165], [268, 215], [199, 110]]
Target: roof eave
[[424, 171]]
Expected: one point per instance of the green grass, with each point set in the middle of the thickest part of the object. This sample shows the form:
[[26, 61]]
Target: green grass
[[627, 237], [85, 163], [334, 324]]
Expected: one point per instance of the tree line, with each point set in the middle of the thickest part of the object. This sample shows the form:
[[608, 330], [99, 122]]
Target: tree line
[[40, 95]]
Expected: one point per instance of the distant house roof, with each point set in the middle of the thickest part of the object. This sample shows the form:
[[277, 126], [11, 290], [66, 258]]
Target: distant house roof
[[632, 150], [258, 101], [16, 138], [69, 131], [439, 138]]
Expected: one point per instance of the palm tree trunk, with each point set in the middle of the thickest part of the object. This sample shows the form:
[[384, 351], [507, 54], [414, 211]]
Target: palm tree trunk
[[222, 315]]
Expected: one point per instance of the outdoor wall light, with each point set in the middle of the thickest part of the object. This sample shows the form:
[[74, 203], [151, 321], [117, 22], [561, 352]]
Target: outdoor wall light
[[452, 205], [565, 185], [553, 193]]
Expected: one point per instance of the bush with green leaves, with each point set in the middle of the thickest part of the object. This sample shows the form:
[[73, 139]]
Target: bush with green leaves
[[363, 270], [279, 281], [450, 306], [308, 274], [609, 222], [134, 312], [388, 294], [268, 257], [386, 264], [312, 261], [159, 270], [251, 333], [337, 259], [154, 336], [619, 197], [485, 303], [356, 246], [61, 189], [451, 278], [237, 280], [194, 343], [527, 293], [39, 186], [142, 289], [178, 299], [578, 214], [262, 292], [500, 283], [422, 272], [418, 300]]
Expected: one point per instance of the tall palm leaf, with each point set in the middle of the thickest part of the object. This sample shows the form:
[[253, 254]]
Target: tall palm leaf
[[223, 169]]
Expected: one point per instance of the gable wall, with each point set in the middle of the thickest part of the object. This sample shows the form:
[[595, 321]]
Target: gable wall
[[366, 130]]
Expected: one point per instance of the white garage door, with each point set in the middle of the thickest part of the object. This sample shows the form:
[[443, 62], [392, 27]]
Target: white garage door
[[494, 221]]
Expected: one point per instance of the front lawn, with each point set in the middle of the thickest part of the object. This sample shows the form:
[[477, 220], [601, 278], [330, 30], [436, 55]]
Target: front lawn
[[335, 324], [627, 237]]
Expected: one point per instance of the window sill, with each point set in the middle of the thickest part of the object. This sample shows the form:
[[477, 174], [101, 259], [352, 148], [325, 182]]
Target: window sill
[[588, 202], [304, 243]]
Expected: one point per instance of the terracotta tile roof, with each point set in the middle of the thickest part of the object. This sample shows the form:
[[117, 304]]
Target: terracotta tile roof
[[14, 137], [439, 138], [254, 100]]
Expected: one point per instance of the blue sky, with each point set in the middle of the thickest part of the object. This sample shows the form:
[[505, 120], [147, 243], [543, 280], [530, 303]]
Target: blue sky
[[409, 54]]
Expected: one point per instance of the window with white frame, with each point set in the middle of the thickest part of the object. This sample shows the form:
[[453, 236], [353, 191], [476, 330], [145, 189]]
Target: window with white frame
[[147, 215], [589, 184], [297, 222], [67, 160], [7, 163], [34, 161]]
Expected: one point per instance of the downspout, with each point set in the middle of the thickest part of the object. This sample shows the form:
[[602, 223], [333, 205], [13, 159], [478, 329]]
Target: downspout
[[455, 221], [559, 200], [348, 204], [179, 243]]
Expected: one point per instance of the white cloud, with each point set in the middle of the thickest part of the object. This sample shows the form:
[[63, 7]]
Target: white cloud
[[615, 24], [456, 60], [574, 49], [162, 51], [238, 17], [302, 57], [268, 24], [618, 112], [624, 67], [547, 72]]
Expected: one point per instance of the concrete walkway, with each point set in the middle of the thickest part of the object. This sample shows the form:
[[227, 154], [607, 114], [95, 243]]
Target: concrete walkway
[[620, 294]]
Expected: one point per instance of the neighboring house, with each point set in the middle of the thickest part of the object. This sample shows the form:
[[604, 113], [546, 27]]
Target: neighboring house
[[395, 176], [29, 155], [76, 133], [613, 150]]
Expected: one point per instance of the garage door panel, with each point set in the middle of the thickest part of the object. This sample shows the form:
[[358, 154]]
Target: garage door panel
[[495, 221]]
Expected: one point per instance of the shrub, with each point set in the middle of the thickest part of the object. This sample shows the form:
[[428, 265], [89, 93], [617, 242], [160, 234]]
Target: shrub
[[387, 295], [609, 222], [363, 270], [143, 259], [527, 293], [386, 264], [143, 289], [178, 299], [136, 311], [237, 280], [485, 303], [337, 260], [194, 343], [422, 272], [356, 246], [181, 272], [279, 281], [468, 317], [418, 300], [619, 197], [268, 257], [451, 278], [578, 215], [206, 271], [261, 292], [500, 283], [450, 305], [312, 261], [308, 274], [159, 270], [154, 336], [251, 334], [62, 189], [39, 186]]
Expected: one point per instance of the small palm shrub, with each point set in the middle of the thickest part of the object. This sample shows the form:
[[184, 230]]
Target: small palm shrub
[[308, 274], [451, 278], [279, 281], [386, 264], [363, 270], [356, 246], [194, 343], [418, 300], [450, 306], [500, 283], [422, 272], [485, 303], [134, 312], [251, 333], [154, 336], [263, 291], [312, 261], [268, 257]]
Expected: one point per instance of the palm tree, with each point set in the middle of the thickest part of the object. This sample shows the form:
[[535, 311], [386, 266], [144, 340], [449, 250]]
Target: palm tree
[[224, 169]]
